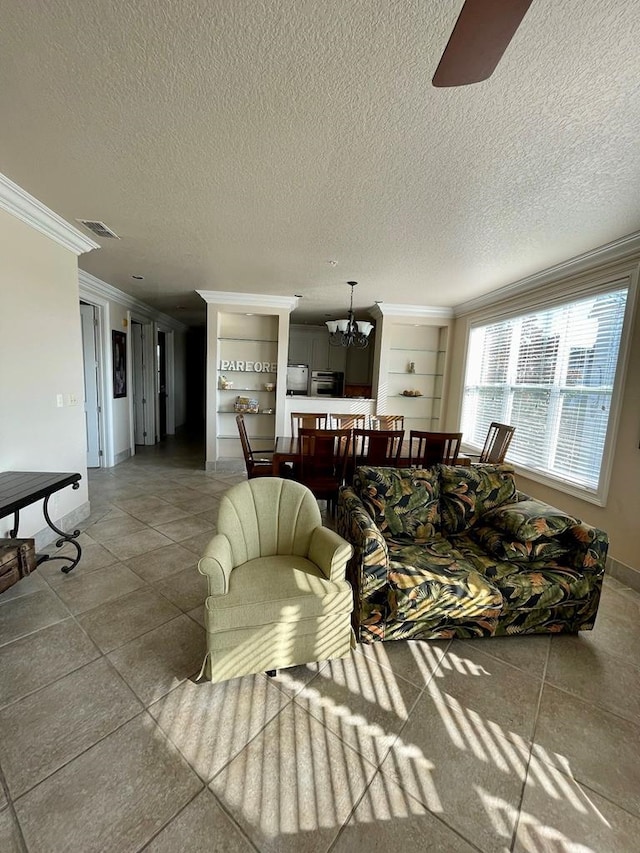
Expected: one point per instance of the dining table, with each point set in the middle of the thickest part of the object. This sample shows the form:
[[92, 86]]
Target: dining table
[[287, 449]]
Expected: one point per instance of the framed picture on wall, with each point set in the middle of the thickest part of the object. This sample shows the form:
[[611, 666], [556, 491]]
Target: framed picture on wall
[[119, 354]]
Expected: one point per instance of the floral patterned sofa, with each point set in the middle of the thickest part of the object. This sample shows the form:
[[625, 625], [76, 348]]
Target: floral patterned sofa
[[454, 551]]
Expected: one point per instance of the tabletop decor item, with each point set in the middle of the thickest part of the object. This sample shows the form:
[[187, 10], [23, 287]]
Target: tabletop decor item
[[246, 405]]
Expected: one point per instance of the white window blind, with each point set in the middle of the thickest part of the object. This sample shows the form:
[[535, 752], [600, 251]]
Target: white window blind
[[550, 374]]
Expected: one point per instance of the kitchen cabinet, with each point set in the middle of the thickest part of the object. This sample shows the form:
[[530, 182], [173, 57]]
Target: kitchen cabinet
[[310, 345]]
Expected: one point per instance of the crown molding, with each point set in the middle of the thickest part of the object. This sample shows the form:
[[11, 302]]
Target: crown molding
[[266, 300], [92, 286], [25, 207], [621, 249], [427, 312]]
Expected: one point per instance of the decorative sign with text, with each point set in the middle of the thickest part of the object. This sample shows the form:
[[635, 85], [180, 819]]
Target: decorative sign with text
[[249, 366]]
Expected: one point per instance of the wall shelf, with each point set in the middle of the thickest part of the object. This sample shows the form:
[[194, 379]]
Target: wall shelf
[[252, 340], [423, 397], [257, 373], [407, 373], [245, 414], [254, 438], [417, 349], [253, 390]]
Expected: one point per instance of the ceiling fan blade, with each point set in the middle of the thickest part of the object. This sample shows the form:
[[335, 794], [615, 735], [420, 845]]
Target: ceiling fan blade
[[482, 32]]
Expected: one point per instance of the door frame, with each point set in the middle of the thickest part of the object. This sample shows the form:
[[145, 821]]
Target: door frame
[[149, 358], [103, 357], [170, 403]]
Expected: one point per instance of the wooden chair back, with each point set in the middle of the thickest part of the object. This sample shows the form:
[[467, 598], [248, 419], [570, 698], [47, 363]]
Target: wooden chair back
[[348, 421], [376, 447], [306, 420], [255, 467], [386, 422], [497, 442], [430, 448], [322, 461]]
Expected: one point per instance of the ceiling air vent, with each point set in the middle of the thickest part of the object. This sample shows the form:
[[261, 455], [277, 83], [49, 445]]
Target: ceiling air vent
[[99, 228]]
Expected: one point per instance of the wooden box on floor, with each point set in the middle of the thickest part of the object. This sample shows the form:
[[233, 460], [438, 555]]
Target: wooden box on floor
[[17, 559]]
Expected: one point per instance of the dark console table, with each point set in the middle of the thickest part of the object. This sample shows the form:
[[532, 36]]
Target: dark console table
[[19, 489]]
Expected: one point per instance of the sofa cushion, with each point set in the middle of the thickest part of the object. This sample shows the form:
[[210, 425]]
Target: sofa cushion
[[536, 585], [499, 545], [402, 502], [434, 583], [530, 520], [468, 491]]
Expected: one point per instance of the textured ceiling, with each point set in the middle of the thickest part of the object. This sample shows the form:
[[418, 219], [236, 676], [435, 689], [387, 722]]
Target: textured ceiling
[[242, 145]]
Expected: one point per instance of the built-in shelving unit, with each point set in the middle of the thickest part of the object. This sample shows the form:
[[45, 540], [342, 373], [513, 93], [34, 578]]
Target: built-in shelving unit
[[416, 362], [247, 356]]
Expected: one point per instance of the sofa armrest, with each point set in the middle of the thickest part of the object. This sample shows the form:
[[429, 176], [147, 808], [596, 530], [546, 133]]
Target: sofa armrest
[[587, 547], [330, 552], [370, 563], [549, 533], [217, 564]]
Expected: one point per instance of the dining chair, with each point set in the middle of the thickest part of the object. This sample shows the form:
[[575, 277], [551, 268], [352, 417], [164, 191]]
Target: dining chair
[[322, 462], [307, 420], [377, 447], [429, 448], [347, 421], [388, 422], [261, 466], [496, 443]]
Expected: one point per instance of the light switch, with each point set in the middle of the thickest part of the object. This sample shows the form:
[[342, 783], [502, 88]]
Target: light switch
[[59, 401]]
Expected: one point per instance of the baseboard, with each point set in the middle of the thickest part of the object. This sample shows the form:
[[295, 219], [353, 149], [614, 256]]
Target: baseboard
[[68, 523], [625, 574], [120, 457]]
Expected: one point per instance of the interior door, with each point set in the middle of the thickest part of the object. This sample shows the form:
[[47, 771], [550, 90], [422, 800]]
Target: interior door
[[162, 385], [89, 324], [139, 399]]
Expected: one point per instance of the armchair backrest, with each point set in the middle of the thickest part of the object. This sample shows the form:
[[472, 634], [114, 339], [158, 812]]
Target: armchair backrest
[[268, 516]]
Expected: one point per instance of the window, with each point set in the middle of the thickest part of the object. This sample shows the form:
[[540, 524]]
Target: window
[[550, 374]]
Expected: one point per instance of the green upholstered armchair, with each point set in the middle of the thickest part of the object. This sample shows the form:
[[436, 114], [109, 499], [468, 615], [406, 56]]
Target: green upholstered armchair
[[277, 590]]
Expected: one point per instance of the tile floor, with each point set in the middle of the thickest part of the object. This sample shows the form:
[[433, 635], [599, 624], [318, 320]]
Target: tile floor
[[107, 744]]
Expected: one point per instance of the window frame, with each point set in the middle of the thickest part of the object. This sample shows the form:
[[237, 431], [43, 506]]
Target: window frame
[[550, 296]]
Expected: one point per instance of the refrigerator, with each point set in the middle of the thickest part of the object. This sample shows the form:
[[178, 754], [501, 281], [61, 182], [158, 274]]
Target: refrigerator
[[297, 379]]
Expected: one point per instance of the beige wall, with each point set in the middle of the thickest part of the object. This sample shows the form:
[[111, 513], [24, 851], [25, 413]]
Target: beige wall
[[620, 517], [40, 357]]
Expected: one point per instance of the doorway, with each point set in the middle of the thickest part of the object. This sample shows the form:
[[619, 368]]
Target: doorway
[[161, 354], [91, 365], [139, 384]]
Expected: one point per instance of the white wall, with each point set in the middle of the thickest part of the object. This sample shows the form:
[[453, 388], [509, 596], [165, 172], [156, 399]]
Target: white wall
[[40, 357]]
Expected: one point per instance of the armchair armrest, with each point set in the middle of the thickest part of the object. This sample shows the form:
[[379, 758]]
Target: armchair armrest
[[329, 552], [217, 564]]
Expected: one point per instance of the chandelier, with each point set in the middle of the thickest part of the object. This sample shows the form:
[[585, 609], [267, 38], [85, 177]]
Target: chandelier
[[349, 332]]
